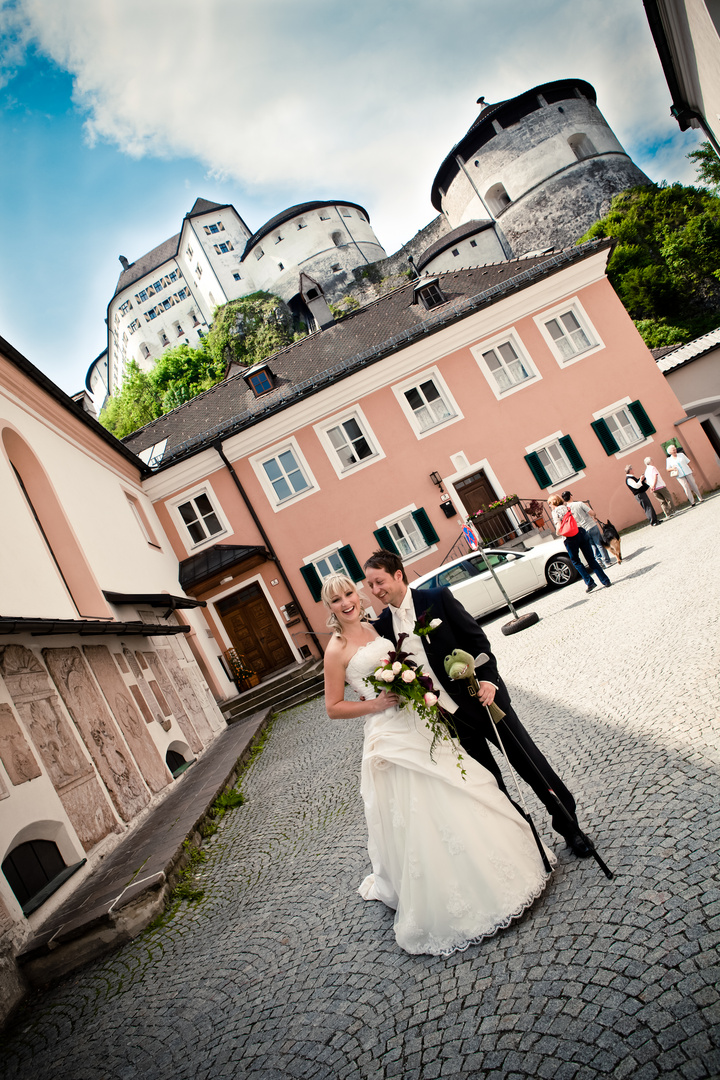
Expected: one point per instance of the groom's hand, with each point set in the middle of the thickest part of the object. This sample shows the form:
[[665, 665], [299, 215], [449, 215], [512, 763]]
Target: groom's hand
[[486, 693]]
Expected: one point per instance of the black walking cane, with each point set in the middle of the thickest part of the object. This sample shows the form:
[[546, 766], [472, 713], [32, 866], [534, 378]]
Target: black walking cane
[[496, 715]]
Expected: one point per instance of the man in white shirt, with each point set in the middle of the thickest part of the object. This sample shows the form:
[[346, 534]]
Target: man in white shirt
[[679, 466]]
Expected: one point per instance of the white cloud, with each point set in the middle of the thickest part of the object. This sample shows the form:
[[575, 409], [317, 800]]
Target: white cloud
[[361, 101]]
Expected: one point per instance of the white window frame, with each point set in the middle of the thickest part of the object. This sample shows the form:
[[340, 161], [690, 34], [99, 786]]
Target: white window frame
[[611, 411], [543, 444], [182, 529], [258, 461], [326, 553], [398, 518], [571, 305], [323, 433], [416, 381], [512, 338]]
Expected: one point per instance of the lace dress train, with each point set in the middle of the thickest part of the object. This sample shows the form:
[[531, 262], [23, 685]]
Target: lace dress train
[[450, 854]]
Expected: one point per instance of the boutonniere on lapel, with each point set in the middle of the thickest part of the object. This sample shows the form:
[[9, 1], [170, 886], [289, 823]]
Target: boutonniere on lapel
[[425, 625]]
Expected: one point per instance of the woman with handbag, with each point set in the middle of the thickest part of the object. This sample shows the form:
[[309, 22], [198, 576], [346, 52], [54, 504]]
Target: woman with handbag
[[576, 540]]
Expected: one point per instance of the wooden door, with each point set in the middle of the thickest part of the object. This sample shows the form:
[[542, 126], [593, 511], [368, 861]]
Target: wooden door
[[254, 631], [477, 493]]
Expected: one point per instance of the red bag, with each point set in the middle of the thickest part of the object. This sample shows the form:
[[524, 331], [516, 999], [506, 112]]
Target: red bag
[[568, 526]]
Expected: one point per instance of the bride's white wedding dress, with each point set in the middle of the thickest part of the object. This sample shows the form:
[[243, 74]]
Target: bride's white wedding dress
[[450, 854]]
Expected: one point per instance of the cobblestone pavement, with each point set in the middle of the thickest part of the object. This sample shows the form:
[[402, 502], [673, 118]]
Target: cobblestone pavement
[[283, 971]]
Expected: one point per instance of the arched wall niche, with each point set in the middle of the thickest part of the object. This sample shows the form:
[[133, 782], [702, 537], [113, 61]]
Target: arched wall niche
[[50, 518]]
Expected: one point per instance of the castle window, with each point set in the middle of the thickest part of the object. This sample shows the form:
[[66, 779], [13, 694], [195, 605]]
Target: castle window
[[324, 215], [346, 213], [497, 198], [222, 249], [134, 325], [302, 224], [216, 228], [198, 270], [142, 296], [581, 146], [124, 308], [312, 294], [473, 243], [157, 286], [34, 871], [280, 266], [278, 238], [236, 276], [337, 239], [335, 268], [189, 252], [455, 252], [259, 253], [194, 318]]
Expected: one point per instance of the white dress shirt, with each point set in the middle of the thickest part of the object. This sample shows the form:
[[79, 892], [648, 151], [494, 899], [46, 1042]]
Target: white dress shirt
[[404, 619]]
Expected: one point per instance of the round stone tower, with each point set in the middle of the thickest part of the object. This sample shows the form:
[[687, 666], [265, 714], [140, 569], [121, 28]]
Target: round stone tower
[[544, 165]]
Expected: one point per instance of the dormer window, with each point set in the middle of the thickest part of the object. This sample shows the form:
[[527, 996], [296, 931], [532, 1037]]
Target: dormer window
[[430, 293], [260, 379], [312, 294]]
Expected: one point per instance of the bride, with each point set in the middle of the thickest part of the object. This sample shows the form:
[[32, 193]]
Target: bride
[[450, 854]]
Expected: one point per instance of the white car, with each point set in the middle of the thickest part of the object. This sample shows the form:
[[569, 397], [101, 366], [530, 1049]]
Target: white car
[[521, 573]]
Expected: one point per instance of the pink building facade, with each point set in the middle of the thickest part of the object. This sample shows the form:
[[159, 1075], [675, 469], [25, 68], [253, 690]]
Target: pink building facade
[[521, 378]]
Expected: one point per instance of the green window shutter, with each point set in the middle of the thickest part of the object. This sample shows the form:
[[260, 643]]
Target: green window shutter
[[352, 566], [605, 436], [538, 470], [312, 580], [385, 540], [572, 453], [641, 418], [425, 526]]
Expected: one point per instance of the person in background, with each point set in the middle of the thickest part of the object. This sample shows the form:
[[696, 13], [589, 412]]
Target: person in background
[[657, 485], [678, 465], [639, 487], [577, 543], [588, 520]]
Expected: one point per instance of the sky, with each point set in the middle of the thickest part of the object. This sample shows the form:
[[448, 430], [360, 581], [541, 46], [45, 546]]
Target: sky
[[115, 115]]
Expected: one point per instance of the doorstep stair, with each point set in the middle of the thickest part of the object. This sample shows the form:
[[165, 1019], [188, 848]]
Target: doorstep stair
[[289, 687]]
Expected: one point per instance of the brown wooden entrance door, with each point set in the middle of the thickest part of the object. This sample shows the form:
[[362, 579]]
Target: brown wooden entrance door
[[477, 493], [254, 630]]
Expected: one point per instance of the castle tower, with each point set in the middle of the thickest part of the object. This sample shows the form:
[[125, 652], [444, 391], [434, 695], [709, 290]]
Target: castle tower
[[544, 165]]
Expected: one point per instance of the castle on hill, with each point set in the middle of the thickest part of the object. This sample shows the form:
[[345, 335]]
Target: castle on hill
[[531, 173]]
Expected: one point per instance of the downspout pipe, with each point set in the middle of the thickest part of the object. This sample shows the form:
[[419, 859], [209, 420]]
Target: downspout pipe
[[498, 232], [217, 445]]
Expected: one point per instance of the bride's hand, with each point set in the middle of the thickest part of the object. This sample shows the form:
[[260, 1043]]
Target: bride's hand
[[384, 700]]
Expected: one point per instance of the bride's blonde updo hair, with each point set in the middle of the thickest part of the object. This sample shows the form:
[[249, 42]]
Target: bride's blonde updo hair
[[332, 587]]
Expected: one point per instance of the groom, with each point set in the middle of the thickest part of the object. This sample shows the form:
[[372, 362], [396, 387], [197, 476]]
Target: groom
[[386, 577]]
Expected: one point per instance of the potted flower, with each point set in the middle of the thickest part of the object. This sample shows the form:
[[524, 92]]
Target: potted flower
[[535, 510]]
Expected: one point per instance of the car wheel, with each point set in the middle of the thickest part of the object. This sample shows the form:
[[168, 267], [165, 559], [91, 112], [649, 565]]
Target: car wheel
[[560, 571]]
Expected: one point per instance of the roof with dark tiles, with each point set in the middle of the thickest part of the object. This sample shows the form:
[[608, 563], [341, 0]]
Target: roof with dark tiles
[[363, 337], [149, 262]]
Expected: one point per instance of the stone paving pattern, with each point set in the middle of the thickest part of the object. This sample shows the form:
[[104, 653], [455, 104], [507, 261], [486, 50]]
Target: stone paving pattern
[[281, 970]]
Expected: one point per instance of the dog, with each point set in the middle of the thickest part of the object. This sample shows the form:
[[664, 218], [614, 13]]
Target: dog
[[611, 539]]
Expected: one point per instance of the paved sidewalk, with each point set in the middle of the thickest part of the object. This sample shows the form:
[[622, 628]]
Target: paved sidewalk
[[283, 971]]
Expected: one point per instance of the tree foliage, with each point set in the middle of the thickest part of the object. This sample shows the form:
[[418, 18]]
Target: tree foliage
[[708, 166], [245, 331], [666, 264]]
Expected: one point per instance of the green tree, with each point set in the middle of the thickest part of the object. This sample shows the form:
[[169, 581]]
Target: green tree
[[666, 263], [245, 331], [708, 166], [250, 329], [134, 405]]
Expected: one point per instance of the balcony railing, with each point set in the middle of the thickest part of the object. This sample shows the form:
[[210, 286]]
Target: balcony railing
[[516, 519]]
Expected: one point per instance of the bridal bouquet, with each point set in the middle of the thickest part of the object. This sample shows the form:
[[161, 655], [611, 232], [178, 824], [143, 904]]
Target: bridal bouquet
[[400, 675]]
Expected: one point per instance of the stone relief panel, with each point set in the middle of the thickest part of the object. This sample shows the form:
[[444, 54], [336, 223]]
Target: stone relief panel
[[16, 755], [187, 694], [146, 754], [100, 734], [72, 775], [186, 725], [137, 671]]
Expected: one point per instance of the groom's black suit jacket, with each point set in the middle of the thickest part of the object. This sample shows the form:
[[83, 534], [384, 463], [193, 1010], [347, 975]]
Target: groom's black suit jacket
[[458, 630]]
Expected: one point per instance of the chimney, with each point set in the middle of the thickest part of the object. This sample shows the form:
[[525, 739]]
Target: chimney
[[125, 263]]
